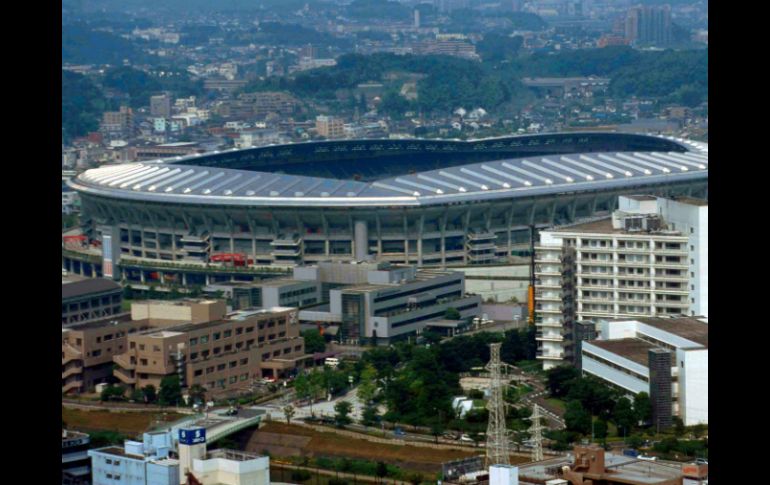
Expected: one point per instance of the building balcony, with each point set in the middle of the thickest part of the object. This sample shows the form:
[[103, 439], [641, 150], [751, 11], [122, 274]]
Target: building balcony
[[679, 278], [71, 371], [124, 361], [76, 385], [555, 311], [124, 376], [553, 337], [666, 265], [551, 356]]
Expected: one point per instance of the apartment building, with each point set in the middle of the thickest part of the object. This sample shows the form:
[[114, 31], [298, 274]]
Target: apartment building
[[89, 299], [222, 355], [664, 357], [330, 126], [87, 350], [650, 258]]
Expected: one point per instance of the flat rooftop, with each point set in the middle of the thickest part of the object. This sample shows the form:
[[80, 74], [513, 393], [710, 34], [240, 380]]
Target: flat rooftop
[[113, 320], [692, 201], [604, 226], [72, 288], [690, 328], [632, 349]]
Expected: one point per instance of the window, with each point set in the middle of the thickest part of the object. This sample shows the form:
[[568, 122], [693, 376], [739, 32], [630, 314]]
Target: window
[[141, 346], [233, 364], [204, 339], [238, 330], [209, 370], [244, 376], [108, 461], [198, 373], [217, 335], [692, 261], [221, 366], [228, 333], [233, 379], [155, 348], [692, 274], [96, 353], [692, 231], [194, 356], [249, 329], [193, 341], [98, 340], [245, 361], [142, 361]]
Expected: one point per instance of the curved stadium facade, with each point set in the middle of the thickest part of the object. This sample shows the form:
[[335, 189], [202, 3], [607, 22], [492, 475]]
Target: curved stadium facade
[[425, 202]]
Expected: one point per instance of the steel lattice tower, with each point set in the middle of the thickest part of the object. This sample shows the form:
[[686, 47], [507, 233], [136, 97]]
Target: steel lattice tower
[[536, 434], [497, 434]]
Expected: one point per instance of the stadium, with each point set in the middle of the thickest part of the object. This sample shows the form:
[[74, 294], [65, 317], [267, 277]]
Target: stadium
[[439, 203]]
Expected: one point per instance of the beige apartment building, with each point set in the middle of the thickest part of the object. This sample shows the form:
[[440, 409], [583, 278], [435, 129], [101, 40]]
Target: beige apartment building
[[87, 350], [633, 264], [329, 126], [221, 355]]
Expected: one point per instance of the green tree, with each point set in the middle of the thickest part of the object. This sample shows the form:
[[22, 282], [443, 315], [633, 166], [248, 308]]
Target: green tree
[[452, 314], [623, 415], [577, 418], [170, 391], [342, 410], [600, 429], [382, 470], [197, 393], [314, 341], [643, 408], [560, 380], [288, 412], [367, 387], [149, 394], [113, 393], [635, 441]]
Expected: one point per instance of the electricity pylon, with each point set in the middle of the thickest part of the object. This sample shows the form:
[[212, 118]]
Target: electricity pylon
[[497, 448], [536, 433]]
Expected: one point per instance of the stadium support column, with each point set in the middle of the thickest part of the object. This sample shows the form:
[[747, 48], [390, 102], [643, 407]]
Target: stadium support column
[[419, 240], [361, 232]]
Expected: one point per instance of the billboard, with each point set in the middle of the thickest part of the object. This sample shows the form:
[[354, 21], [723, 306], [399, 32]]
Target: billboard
[[192, 436]]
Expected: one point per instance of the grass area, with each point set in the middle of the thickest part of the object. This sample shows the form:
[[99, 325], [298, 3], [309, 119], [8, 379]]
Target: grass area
[[557, 403], [530, 366], [132, 423], [329, 444]]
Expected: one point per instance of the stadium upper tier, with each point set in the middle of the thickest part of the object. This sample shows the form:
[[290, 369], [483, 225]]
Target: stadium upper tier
[[371, 173]]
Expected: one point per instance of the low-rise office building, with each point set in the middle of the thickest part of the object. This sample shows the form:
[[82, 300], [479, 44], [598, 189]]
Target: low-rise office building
[[88, 299], [283, 292], [75, 463], [382, 303], [650, 258], [222, 355], [145, 462], [664, 357]]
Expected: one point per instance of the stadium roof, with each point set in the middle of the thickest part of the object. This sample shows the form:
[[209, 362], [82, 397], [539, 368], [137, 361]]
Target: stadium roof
[[178, 180]]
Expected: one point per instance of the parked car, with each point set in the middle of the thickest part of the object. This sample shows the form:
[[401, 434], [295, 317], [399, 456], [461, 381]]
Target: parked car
[[701, 461], [466, 439], [647, 458]]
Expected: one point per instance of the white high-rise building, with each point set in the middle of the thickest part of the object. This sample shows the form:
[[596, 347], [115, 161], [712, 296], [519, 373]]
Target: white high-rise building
[[649, 259]]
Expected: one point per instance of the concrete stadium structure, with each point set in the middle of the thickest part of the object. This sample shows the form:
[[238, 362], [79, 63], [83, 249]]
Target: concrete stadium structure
[[434, 203]]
